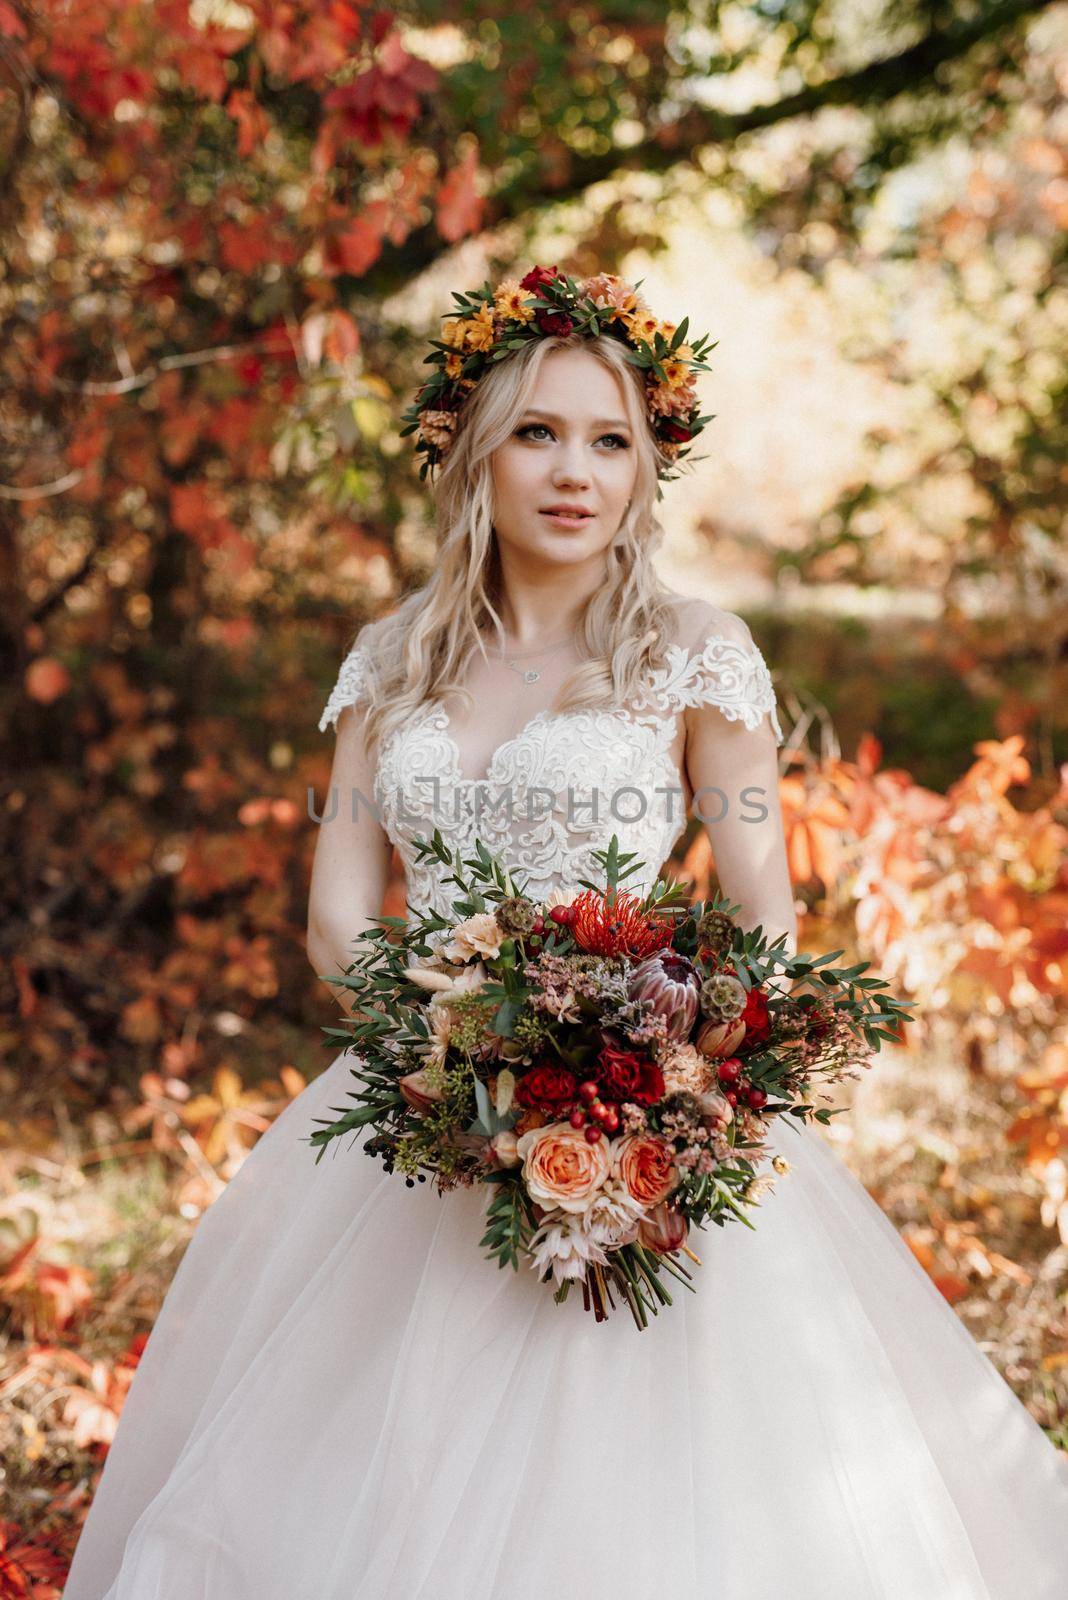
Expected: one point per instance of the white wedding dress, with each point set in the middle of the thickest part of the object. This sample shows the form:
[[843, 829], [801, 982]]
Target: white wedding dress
[[344, 1399]]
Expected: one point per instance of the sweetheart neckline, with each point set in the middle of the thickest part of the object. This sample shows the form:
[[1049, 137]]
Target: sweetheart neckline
[[444, 727], [679, 656], [439, 716]]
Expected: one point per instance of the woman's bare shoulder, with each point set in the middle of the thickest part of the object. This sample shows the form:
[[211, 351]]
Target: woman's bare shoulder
[[695, 620]]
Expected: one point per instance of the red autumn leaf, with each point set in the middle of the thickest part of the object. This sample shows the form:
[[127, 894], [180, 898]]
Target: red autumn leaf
[[11, 24], [948, 1284], [342, 337], [459, 205], [246, 247], [28, 1568], [253, 123], [197, 509], [360, 245], [235, 423]]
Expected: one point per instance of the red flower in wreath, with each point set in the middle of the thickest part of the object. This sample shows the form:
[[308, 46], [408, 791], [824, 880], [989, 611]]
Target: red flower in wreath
[[675, 431], [546, 1088], [537, 277], [557, 322]]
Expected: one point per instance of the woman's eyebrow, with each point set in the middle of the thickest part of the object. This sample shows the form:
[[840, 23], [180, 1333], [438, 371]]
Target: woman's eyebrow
[[597, 422]]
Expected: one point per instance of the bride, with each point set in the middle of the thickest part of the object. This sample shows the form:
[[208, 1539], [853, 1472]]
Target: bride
[[342, 1397]]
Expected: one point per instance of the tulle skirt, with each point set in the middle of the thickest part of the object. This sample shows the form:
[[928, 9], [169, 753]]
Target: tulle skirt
[[344, 1399]]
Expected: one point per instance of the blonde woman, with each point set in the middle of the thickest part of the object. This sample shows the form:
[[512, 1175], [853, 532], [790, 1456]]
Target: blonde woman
[[342, 1398]]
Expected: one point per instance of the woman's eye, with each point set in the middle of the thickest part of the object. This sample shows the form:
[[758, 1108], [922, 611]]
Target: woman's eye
[[540, 427]]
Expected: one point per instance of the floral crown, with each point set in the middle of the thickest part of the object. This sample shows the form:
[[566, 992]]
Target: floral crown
[[491, 323]]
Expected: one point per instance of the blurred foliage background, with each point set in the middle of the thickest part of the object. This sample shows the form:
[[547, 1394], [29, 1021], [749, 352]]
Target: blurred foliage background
[[228, 231]]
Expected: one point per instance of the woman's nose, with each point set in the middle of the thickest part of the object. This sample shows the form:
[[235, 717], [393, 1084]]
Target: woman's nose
[[571, 466]]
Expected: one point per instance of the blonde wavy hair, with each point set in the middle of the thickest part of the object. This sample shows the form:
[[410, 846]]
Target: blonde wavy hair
[[419, 652]]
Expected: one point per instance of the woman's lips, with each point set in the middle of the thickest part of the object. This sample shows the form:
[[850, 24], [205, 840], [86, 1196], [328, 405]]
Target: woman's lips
[[567, 519]]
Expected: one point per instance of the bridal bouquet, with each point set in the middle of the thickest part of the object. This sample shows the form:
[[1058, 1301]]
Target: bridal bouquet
[[607, 1064]]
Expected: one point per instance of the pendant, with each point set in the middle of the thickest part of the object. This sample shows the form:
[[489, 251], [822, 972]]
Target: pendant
[[529, 676]]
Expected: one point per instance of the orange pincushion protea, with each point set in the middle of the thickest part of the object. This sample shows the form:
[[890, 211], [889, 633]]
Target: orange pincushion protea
[[615, 928]]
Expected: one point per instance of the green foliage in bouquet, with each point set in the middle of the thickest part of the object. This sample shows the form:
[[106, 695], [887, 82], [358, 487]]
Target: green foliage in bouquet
[[608, 1063]]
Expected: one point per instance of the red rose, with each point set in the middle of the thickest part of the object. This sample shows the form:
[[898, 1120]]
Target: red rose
[[626, 1075], [554, 322], [674, 430], [546, 1086], [756, 1018], [537, 276]]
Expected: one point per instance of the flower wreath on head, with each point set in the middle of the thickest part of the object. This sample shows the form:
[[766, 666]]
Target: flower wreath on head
[[492, 322]]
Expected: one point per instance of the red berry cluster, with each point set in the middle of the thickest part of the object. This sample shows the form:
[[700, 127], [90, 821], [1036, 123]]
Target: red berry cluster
[[605, 1115], [735, 1085]]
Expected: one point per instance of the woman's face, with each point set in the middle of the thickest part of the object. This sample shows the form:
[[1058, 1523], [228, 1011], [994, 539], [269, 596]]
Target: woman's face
[[571, 446]]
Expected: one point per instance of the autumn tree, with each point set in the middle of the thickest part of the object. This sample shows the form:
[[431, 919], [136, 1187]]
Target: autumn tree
[[217, 220]]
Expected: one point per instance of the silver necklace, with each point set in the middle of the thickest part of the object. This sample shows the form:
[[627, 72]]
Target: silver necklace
[[530, 674]]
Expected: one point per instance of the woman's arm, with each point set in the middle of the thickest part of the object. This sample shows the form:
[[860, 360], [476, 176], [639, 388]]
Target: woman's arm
[[738, 770], [351, 866]]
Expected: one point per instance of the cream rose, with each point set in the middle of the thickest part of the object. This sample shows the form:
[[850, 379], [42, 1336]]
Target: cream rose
[[560, 1166], [479, 935], [686, 1068]]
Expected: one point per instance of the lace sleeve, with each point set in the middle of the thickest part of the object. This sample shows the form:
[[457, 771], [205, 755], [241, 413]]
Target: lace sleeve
[[350, 686], [728, 672], [733, 677]]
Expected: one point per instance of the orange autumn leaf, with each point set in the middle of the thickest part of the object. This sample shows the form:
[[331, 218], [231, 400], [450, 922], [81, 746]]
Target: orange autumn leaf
[[948, 1284], [92, 1409], [227, 1121], [459, 207], [816, 825], [140, 1021], [999, 767]]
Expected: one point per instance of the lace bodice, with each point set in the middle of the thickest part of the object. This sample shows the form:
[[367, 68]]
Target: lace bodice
[[560, 787]]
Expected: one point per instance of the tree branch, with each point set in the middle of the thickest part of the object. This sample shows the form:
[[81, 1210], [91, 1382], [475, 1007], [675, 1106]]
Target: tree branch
[[44, 608], [41, 491], [878, 83]]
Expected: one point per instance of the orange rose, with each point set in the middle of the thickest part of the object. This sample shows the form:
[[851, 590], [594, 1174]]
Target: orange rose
[[561, 1167], [646, 1165]]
